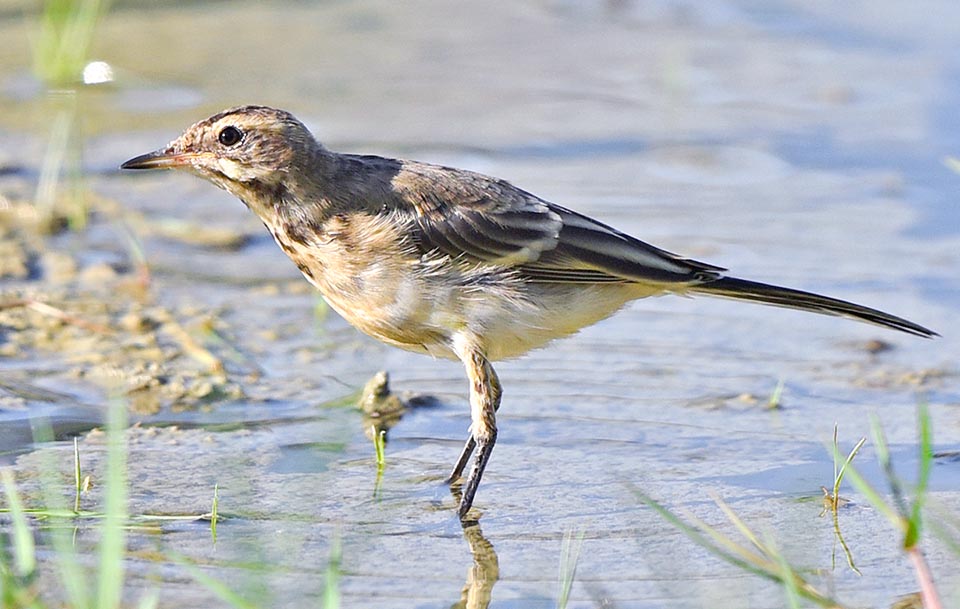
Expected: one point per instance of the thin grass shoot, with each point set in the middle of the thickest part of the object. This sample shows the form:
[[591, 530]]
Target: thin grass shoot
[[569, 558], [24, 550], [214, 512], [331, 591]]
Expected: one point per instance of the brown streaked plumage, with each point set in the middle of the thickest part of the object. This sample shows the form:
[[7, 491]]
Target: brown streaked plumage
[[446, 261]]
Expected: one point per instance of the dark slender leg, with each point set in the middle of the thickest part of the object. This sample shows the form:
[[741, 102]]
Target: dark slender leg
[[471, 443], [485, 449], [485, 395], [462, 461]]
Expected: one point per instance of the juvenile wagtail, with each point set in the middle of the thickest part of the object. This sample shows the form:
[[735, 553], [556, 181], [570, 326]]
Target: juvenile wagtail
[[445, 261]]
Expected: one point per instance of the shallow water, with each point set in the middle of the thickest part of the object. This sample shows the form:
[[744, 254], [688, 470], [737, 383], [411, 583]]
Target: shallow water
[[797, 144]]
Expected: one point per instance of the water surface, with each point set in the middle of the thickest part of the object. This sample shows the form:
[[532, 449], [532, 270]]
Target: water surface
[[795, 144]]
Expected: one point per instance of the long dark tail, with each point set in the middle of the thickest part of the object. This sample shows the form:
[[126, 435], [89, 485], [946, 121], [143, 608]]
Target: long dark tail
[[741, 289]]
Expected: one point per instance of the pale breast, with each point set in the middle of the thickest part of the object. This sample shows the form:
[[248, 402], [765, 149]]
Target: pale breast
[[370, 273]]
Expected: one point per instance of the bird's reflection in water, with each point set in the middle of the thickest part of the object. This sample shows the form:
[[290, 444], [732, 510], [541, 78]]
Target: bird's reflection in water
[[483, 573], [382, 409]]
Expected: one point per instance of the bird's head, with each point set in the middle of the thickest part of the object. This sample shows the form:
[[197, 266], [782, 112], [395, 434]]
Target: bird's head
[[237, 149]]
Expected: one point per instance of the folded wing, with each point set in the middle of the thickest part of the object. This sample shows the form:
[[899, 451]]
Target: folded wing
[[481, 219]]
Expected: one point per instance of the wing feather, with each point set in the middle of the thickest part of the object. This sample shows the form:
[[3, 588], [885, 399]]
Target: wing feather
[[471, 216]]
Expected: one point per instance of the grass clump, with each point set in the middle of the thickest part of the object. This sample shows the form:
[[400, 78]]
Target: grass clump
[[761, 557], [905, 515], [17, 571], [753, 555], [61, 45], [20, 576], [65, 33], [832, 499]]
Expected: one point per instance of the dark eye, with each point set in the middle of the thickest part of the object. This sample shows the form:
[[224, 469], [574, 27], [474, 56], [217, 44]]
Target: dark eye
[[229, 136]]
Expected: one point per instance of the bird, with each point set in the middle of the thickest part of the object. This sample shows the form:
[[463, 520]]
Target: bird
[[445, 261]]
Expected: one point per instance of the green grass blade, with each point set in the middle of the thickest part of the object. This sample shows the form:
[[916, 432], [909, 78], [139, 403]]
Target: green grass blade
[[113, 537], [925, 430], [55, 156], [736, 554], [836, 451], [886, 464], [73, 578], [879, 440], [379, 445], [945, 535], [569, 557], [740, 524], [214, 510], [25, 554], [150, 600], [775, 400], [77, 475], [220, 589], [65, 32], [331, 591], [926, 447], [695, 534], [873, 497], [787, 576], [838, 475]]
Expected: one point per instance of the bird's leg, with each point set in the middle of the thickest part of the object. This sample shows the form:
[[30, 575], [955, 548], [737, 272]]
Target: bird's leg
[[468, 446], [462, 461], [485, 395], [471, 443]]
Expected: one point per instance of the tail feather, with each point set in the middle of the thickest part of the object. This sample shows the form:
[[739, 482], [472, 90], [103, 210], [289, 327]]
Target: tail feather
[[741, 289]]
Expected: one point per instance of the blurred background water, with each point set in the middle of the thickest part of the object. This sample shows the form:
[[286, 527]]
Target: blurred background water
[[807, 144]]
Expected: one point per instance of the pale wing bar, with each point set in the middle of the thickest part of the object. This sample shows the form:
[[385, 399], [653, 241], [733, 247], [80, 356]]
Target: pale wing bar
[[590, 251]]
